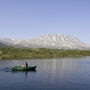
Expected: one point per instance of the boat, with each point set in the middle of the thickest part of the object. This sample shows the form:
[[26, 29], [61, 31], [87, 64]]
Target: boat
[[20, 68]]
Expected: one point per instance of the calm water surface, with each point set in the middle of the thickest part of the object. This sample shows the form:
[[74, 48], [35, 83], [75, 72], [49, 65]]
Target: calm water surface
[[51, 74]]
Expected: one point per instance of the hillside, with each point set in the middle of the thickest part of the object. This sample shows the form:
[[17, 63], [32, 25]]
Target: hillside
[[52, 41]]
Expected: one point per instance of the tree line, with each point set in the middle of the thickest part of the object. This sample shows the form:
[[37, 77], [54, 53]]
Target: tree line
[[39, 53]]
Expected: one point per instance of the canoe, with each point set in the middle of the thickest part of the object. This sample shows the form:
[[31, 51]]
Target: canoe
[[19, 68]]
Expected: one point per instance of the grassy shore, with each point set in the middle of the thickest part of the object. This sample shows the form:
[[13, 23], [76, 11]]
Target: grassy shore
[[40, 53]]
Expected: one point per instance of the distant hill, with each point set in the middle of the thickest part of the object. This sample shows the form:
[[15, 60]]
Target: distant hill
[[53, 41], [2, 45]]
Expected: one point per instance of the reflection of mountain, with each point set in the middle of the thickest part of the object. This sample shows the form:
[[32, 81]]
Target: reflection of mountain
[[63, 68], [58, 70], [56, 41]]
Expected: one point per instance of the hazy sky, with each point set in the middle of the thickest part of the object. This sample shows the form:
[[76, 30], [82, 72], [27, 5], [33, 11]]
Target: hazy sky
[[23, 19]]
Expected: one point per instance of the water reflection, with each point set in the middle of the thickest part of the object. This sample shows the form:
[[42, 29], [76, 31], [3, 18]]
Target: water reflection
[[54, 66], [26, 74], [53, 74]]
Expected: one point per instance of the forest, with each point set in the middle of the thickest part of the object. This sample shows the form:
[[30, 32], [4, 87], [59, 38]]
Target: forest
[[39, 53]]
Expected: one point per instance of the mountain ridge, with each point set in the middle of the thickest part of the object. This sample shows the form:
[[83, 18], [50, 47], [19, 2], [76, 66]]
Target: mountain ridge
[[53, 41]]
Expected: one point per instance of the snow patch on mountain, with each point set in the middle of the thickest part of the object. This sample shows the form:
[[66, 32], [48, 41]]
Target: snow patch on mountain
[[54, 41]]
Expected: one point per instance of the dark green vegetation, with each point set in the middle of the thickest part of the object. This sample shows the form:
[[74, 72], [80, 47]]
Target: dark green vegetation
[[22, 53], [19, 68]]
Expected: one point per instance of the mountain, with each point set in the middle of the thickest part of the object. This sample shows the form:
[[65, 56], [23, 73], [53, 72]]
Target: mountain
[[2, 45], [54, 41], [8, 41]]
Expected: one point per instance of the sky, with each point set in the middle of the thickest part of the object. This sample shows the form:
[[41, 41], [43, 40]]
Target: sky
[[22, 19]]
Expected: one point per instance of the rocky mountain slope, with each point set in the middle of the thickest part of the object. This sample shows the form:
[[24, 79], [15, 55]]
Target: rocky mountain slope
[[54, 41]]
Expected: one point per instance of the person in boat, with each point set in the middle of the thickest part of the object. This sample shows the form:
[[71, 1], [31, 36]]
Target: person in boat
[[25, 64]]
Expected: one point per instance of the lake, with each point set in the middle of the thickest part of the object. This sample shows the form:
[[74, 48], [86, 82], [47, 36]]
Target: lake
[[51, 74]]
